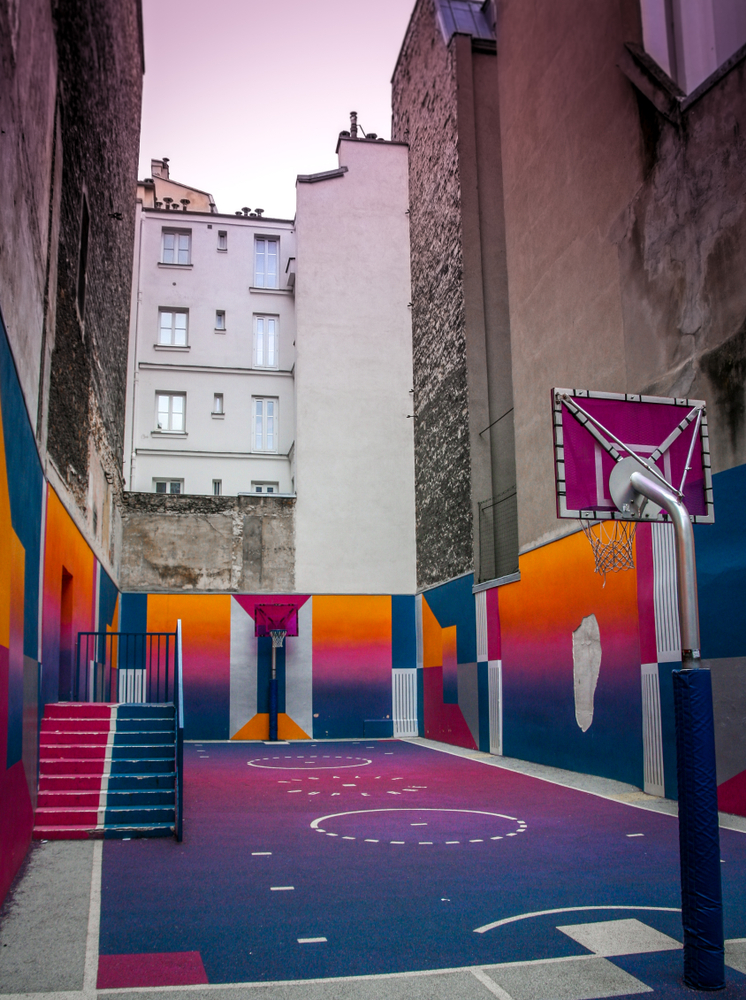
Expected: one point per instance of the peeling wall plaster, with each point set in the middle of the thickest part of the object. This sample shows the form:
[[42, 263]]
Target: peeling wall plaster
[[586, 663]]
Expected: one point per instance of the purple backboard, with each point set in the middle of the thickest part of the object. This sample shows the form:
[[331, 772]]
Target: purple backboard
[[595, 430]]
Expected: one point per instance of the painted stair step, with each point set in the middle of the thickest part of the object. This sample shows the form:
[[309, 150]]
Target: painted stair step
[[117, 832], [68, 798], [80, 710], [75, 725], [69, 832], [135, 815], [142, 711], [138, 782], [120, 751], [70, 782], [68, 765], [66, 817], [153, 725], [143, 765], [72, 751], [163, 736], [118, 798]]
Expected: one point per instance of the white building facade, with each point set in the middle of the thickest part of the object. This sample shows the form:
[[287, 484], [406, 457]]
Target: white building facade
[[210, 401]]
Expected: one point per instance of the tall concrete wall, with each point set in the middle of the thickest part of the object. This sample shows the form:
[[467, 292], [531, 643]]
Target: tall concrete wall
[[354, 453]]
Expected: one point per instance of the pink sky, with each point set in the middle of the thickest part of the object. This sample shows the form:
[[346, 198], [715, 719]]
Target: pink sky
[[243, 95]]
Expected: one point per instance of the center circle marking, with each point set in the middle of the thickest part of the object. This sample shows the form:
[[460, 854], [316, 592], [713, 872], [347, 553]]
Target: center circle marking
[[521, 825], [306, 764]]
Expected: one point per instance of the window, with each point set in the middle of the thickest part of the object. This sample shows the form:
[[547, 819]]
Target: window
[[168, 485], [222, 239], [217, 487], [265, 487], [170, 412], [265, 342], [176, 246], [172, 327], [217, 405], [691, 40], [264, 431], [220, 320], [266, 255]]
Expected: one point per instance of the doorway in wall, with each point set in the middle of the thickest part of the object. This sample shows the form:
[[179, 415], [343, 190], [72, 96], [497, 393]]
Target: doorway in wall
[[66, 637]]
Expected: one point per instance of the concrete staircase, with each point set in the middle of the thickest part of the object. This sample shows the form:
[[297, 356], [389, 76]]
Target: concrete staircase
[[106, 771]]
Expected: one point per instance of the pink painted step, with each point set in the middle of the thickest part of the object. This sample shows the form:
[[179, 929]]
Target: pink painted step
[[67, 817], [70, 782], [70, 832], [68, 798], [75, 725], [73, 738], [69, 766], [78, 710], [72, 751]]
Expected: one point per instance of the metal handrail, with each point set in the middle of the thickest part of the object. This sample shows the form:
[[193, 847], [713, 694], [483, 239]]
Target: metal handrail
[[179, 719], [123, 667]]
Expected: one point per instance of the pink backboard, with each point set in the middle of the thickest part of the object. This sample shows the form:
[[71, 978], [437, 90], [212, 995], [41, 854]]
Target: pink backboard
[[275, 616], [665, 432]]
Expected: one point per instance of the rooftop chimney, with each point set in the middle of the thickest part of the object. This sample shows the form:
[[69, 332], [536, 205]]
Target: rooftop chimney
[[353, 124], [159, 168]]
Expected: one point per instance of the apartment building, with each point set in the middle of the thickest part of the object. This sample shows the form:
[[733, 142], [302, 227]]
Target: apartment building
[[210, 407]]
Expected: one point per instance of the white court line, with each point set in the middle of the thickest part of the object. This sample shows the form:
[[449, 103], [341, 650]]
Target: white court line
[[569, 909], [90, 974], [319, 940], [281, 888], [491, 985]]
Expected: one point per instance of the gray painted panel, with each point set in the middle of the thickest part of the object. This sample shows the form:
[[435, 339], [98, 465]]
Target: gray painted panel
[[468, 697], [299, 671], [243, 668], [729, 708]]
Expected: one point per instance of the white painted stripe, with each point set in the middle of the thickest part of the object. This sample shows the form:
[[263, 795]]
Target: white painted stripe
[[90, 973], [490, 984], [570, 909], [281, 888], [319, 940], [260, 854]]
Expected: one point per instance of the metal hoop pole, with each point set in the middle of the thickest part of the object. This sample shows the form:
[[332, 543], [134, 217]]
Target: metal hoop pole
[[699, 834]]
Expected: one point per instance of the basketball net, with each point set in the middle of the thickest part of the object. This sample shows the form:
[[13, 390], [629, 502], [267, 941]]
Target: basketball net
[[278, 637], [612, 543]]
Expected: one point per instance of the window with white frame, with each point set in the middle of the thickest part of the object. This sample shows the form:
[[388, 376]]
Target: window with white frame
[[173, 325], [218, 409], [266, 262], [176, 246], [171, 412], [217, 487], [264, 423], [257, 487], [168, 485], [222, 239], [690, 39], [220, 320], [266, 342]]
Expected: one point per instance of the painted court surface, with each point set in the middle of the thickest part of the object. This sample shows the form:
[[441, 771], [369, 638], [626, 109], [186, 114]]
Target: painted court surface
[[313, 860]]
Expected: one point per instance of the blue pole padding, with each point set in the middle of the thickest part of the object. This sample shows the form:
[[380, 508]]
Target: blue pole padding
[[273, 708], [699, 836]]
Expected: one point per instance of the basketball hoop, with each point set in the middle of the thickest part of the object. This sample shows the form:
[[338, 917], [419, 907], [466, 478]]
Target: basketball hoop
[[612, 544], [278, 637]]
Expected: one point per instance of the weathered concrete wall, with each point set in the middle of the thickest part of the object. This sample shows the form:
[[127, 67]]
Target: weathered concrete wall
[[682, 257], [207, 544], [99, 97], [424, 101], [572, 161], [28, 200]]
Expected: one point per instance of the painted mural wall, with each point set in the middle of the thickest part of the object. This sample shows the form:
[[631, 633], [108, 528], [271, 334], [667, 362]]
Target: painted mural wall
[[334, 677], [559, 657], [44, 603]]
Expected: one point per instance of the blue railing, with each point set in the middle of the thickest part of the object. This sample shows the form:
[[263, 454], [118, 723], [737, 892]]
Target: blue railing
[[179, 717]]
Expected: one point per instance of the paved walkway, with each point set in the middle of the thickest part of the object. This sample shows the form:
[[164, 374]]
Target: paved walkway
[[82, 911]]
